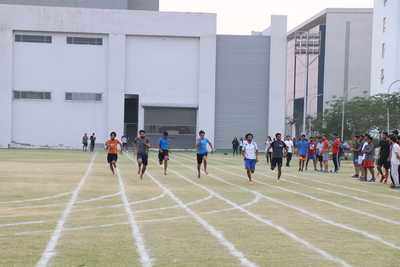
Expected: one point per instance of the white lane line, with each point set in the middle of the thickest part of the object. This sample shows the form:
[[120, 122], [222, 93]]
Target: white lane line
[[281, 229], [145, 259], [323, 200], [27, 233], [311, 214], [324, 183], [36, 199], [49, 252], [98, 198], [387, 220], [20, 223], [218, 235]]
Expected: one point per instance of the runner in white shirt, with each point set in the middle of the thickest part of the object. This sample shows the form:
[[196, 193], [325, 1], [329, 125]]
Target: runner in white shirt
[[289, 144], [395, 162], [250, 155]]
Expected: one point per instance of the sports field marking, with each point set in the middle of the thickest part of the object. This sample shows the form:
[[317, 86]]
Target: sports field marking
[[49, 252], [325, 201], [20, 223], [281, 229], [145, 259], [222, 240], [98, 198], [86, 227], [324, 183], [36, 199], [211, 229], [308, 213]]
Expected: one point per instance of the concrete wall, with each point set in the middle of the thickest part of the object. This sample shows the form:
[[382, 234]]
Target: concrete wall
[[108, 4], [242, 88], [93, 68], [390, 63], [360, 53]]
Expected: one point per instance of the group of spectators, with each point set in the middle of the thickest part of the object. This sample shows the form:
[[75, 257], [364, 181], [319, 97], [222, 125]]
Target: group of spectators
[[368, 154]]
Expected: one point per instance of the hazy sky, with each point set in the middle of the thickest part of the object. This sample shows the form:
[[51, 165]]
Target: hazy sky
[[243, 16]]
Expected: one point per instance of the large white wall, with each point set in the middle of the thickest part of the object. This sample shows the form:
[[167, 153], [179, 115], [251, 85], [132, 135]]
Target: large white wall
[[360, 51], [188, 45], [163, 71], [58, 68], [390, 63]]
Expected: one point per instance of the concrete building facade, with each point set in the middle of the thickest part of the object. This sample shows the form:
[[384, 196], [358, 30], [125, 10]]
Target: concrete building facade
[[67, 71], [106, 4], [329, 57], [385, 64]]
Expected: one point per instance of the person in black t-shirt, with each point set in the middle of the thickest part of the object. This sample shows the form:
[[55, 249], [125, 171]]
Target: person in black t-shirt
[[278, 147], [383, 160]]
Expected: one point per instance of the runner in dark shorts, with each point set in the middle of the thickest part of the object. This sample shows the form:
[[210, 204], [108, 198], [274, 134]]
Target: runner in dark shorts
[[278, 147], [202, 145], [163, 153], [142, 152], [384, 157], [112, 151]]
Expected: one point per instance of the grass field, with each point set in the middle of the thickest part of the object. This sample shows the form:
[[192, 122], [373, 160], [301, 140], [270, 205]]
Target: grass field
[[64, 208]]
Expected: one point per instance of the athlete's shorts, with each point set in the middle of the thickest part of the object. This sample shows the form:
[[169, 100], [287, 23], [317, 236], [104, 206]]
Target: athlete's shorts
[[250, 164], [112, 158], [143, 158], [163, 155], [367, 164], [302, 157], [325, 157], [312, 157], [276, 162], [355, 160], [320, 158], [384, 163], [201, 157]]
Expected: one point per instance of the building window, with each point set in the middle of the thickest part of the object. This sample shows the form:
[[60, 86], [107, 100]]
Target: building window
[[94, 97], [382, 75], [32, 38], [33, 95], [384, 24], [383, 50], [84, 41]]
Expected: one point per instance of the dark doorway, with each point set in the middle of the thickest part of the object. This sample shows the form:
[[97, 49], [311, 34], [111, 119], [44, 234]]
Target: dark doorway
[[131, 117]]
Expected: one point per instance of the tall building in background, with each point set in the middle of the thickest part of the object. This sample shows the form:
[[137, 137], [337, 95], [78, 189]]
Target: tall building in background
[[68, 71], [107, 4], [385, 66], [329, 57]]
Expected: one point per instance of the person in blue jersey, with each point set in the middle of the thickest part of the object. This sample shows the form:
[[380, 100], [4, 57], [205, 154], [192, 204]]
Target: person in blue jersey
[[202, 145], [302, 150], [163, 153]]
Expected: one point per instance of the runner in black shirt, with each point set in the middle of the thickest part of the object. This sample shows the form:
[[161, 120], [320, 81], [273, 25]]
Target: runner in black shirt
[[278, 147], [383, 160]]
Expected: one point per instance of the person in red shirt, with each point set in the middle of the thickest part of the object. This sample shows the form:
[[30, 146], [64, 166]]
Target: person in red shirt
[[112, 151], [312, 153], [335, 152], [325, 152]]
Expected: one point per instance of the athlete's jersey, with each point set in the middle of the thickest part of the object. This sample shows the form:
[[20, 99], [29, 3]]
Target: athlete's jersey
[[202, 146], [112, 146]]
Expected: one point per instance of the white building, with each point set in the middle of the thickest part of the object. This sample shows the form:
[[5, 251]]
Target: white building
[[385, 68], [66, 71]]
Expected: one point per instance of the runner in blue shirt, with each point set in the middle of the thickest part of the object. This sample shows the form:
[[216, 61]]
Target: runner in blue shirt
[[163, 153], [302, 149], [202, 145]]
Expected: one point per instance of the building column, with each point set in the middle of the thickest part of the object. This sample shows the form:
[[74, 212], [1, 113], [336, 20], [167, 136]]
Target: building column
[[277, 80], [206, 91], [116, 83], [6, 84]]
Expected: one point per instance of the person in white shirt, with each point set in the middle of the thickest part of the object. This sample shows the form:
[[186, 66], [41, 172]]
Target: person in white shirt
[[394, 162], [289, 144], [250, 155]]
